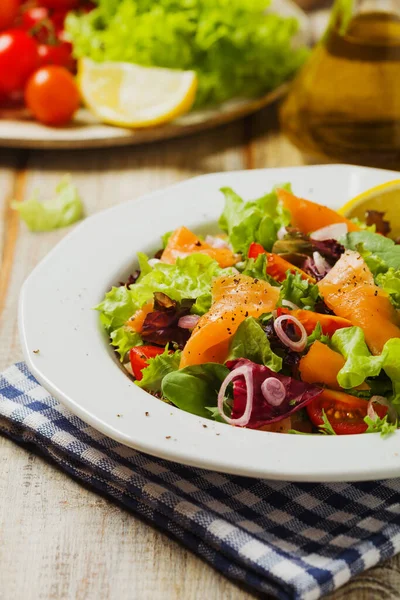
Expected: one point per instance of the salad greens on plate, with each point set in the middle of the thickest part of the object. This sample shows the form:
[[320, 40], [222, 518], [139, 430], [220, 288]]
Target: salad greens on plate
[[236, 48], [286, 321]]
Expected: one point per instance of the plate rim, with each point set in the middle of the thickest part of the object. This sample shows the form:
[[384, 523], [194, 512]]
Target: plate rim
[[174, 452]]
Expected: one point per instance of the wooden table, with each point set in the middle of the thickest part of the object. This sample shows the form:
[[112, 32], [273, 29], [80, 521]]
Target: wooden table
[[59, 540]]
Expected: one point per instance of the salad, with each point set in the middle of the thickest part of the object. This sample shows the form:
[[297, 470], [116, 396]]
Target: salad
[[287, 320]]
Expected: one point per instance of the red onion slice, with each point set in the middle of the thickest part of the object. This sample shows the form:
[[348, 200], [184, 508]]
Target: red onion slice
[[285, 339], [330, 232], [216, 242], [245, 372], [289, 304], [392, 413], [273, 391], [188, 321], [321, 264]]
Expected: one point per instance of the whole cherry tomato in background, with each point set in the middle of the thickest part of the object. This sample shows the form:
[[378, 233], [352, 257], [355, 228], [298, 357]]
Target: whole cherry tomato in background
[[52, 95], [8, 12], [18, 60], [59, 54]]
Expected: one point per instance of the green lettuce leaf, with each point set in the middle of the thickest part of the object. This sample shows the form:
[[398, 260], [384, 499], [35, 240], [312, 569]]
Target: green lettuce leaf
[[390, 282], [255, 221], [195, 389], [361, 364], [123, 339], [257, 268], [299, 291], [381, 426], [318, 335], [237, 48], [380, 253], [64, 209], [190, 277], [157, 369], [250, 341]]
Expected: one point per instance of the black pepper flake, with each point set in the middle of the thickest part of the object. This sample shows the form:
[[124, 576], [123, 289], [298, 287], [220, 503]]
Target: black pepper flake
[[36, 351], [376, 293], [205, 426], [198, 243], [147, 413], [256, 280], [246, 314], [217, 434], [118, 415], [167, 437]]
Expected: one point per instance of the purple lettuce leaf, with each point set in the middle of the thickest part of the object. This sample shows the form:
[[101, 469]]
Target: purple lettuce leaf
[[161, 327], [298, 395]]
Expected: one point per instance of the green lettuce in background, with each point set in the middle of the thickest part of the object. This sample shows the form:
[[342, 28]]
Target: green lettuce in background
[[64, 209], [236, 46]]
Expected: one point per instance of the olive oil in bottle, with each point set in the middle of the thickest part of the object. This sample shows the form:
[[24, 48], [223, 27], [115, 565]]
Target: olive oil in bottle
[[345, 103]]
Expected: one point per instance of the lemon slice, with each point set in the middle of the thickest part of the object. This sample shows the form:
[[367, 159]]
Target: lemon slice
[[129, 95], [384, 197]]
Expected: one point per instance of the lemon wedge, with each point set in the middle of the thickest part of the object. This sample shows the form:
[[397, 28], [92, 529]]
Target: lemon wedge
[[384, 197], [129, 95]]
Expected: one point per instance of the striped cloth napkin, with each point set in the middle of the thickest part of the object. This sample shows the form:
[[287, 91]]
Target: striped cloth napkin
[[288, 540]]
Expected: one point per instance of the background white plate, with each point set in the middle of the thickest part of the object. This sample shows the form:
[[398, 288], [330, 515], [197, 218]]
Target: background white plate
[[76, 364], [19, 130]]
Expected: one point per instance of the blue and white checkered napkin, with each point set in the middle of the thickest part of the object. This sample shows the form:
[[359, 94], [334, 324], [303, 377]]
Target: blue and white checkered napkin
[[291, 540]]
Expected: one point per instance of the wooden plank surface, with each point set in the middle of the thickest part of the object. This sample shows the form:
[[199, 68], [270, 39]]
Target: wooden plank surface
[[59, 540]]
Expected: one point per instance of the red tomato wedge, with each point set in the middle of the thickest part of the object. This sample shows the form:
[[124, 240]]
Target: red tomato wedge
[[277, 266], [139, 357], [309, 319], [344, 412], [309, 216]]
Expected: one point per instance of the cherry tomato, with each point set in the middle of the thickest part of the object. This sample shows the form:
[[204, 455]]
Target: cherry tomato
[[18, 59], [52, 95], [57, 54], [139, 357], [344, 412], [33, 16], [8, 12], [277, 266], [60, 4]]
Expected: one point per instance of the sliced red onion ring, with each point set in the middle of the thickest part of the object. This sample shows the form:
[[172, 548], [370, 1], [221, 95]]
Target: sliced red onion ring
[[273, 391], [216, 242], [330, 232], [285, 339], [392, 413], [245, 372], [188, 321], [321, 264], [289, 304], [281, 233]]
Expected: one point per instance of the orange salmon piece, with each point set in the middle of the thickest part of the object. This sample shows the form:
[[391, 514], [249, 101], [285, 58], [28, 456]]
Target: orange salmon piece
[[350, 291], [235, 298], [309, 216], [183, 242]]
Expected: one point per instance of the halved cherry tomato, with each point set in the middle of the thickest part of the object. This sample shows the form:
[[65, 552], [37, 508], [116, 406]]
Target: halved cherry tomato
[[139, 357], [18, 59], [310, 319], [344, 412], [52, 95], [277, 266], [8, 13]]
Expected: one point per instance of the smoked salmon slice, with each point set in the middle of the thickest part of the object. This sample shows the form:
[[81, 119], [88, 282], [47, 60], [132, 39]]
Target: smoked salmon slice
[[183, 242], [350, 291], [309, 216], [235, 298]]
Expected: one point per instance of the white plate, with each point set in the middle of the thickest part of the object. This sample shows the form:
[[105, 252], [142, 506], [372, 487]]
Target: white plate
[[77, 365], [19, 130]]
